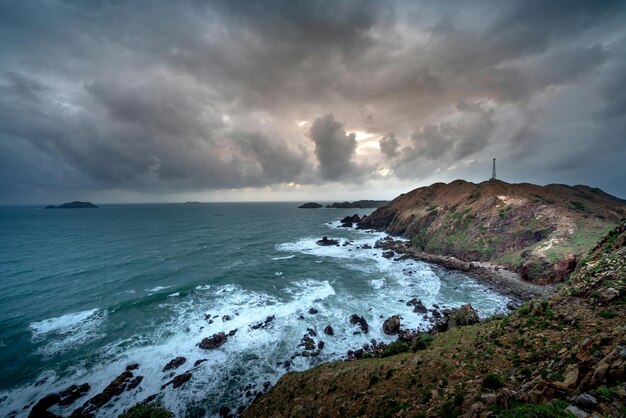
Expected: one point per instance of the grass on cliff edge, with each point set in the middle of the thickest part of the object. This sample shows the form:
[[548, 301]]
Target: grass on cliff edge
[[453, 372]]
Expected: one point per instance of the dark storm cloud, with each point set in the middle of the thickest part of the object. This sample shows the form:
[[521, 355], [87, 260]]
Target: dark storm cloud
[[157, 96], [334, 148], [389, 145]]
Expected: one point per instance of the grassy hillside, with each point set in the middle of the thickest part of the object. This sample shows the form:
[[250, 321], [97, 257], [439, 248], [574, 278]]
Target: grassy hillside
[[567, 352], [539, 231]]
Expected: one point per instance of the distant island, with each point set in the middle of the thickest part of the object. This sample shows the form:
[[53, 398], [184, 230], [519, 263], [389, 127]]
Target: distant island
[[359, 204], [73, 205]]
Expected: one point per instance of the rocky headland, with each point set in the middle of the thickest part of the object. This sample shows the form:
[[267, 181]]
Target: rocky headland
[[540, 232]]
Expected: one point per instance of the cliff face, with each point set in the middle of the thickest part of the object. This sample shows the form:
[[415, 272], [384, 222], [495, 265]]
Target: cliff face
[[564, 354], [539, 231]]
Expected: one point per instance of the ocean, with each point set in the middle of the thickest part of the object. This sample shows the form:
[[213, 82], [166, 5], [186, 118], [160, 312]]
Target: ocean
[[86, 292]]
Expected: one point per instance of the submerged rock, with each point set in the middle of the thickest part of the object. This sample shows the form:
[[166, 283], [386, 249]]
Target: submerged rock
[[216, 340], [327, 242]]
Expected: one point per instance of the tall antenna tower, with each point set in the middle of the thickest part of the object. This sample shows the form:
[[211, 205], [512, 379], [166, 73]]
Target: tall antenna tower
[[493, 175]]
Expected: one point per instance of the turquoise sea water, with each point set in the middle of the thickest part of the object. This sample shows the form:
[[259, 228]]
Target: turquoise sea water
[[85, 292]]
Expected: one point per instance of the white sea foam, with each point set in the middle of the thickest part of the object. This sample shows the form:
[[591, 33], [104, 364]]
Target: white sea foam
[[68, 331], [62, 323], [284, 258], [172, 295], [278, 273], [158, 288]]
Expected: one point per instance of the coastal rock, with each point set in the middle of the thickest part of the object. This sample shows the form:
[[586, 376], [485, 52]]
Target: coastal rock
[[327, 242], [310, 205], [388, 254], [178, 381], [360, 321], [418, 306], [313, 311], [174, 363], [349, 221], [391, 326], [465, 315], [63, 398], [307, 342], [216, 340], [366, 247], [120, 384], [262, 324], [329, 330]]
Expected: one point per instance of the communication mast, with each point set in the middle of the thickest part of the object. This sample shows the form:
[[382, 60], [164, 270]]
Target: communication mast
[[493, 175]]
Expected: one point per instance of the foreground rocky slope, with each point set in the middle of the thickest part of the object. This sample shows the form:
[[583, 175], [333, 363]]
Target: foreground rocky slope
[[555, 357], [539, 231]]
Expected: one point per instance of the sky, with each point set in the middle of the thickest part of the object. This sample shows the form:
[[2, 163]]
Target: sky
[[162, 101]]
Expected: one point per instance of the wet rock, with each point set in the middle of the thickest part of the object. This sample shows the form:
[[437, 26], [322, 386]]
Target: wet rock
[[388, 254], [263, 324], [436, 314], [178, 381], [286, 364], [366, 247], [320, 345], [418, 306], [121, 383], [226, 318], [69, 395], [391, 326], [133, 366], [313, 311], [266, 384], [306, 354], [134, 382], [329, 330], [349, 221], [232, 332], [311, 332], [41, 408], [224, 411], [216, 340], [327, 242], [174, 363], [307, 342], [360, 321], [199, 362]]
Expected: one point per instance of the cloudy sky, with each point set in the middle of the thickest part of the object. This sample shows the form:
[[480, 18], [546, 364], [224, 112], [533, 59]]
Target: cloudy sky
[[136, 101]]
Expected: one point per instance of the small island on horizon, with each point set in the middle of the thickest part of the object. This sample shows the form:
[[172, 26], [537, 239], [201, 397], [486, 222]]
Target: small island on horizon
[[359, 204], [73, 205]]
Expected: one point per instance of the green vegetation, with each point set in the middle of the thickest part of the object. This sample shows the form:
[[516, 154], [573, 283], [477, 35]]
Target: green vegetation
[[374, 379], [577, 206], [492, 381], [554, 409], [394, 348], [151, 410], [607, 314]]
